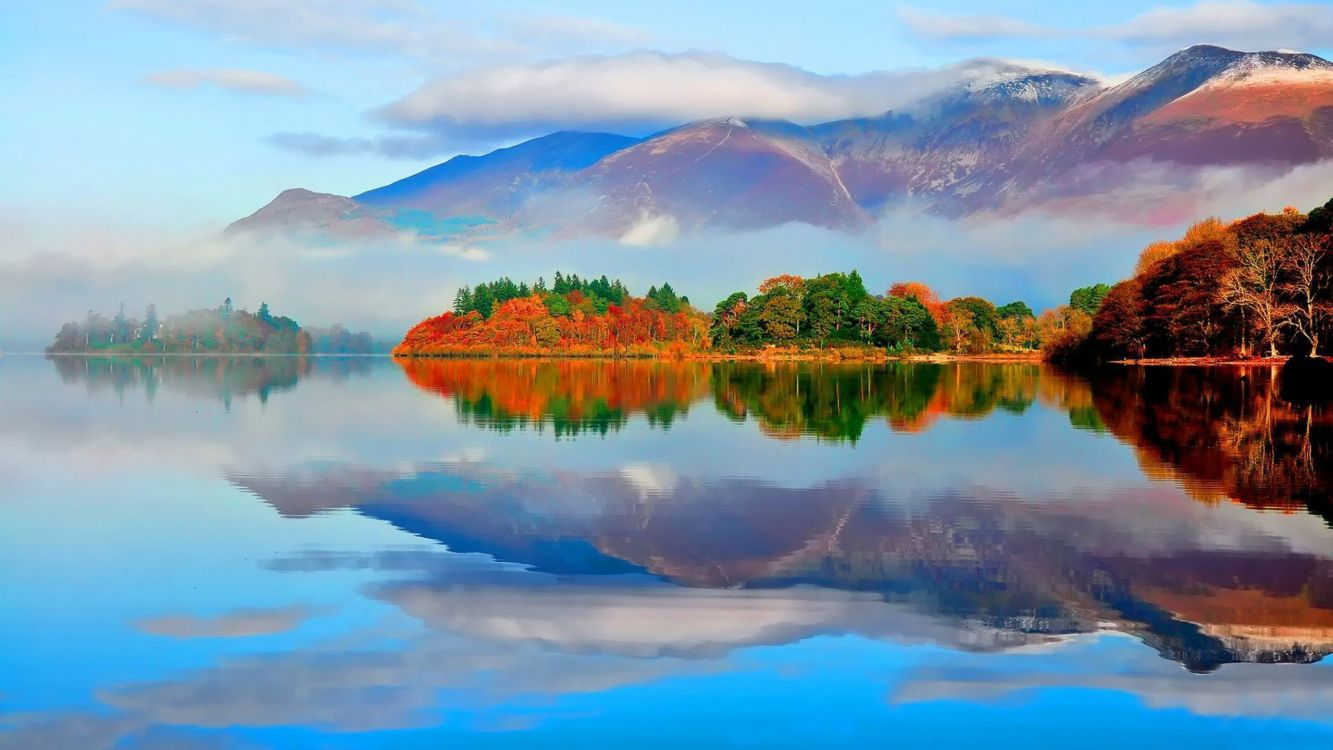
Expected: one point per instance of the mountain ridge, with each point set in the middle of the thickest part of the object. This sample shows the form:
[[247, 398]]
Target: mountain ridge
[[1026, 136]]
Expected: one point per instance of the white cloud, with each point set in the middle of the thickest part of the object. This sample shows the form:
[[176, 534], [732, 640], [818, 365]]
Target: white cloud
[[400, 28], [646, 89], [1256, 690], [466, 252], [1233, 23], [650, 479], [670, 622], [233, 79], [652, 231]]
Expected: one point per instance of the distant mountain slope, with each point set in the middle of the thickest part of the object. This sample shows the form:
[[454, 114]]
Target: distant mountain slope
[[301, 210], [1203, 105], [951, 147], [1022, 137], [728, 172], [497, 184]]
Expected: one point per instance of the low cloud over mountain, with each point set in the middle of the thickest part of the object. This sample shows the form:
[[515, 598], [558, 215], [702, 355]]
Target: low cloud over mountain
[[792, 146]]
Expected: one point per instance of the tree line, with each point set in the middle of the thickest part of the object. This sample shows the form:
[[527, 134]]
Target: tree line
[[836, 308], [1261, 286], [565, 294], [590, 316]]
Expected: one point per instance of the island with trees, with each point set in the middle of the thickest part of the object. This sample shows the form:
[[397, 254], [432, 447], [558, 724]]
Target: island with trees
[[220, 330]]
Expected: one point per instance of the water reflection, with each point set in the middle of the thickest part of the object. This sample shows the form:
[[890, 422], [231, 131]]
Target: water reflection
[[835, 402], [399, 554], [572, 396], [216, 377], [832, 402], [993, 571], [1224, 433]]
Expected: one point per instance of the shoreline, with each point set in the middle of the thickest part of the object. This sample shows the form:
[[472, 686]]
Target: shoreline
[[1205, 362], [832, 356], [141, 355]]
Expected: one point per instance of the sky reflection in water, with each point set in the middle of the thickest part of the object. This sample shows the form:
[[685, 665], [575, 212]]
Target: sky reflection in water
[[271, 553]]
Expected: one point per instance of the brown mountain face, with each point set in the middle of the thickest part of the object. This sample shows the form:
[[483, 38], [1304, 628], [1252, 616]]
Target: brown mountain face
[[732, 172], [955, 150], [304, 211], [1203, 106], [1023, 137]]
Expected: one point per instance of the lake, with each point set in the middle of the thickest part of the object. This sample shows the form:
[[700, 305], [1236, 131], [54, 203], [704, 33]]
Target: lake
[[362, 553]]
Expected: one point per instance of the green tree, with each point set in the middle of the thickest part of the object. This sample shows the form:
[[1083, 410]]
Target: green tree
[[727, 318], [120, 327], [823, 315], [482, 301], [908, 325], [983, 315], [556, 305], [150, 323], [1087, 299], [664, 298], [1320, 220], [870, 314], [782, 315], [1016, 309], [463, 301]]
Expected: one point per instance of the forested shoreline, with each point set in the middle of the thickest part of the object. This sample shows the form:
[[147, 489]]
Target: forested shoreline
[[1256, 288], [828, 316]]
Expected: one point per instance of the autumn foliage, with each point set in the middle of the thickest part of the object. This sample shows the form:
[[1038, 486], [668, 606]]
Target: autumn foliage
[[545, 323], [1259, 286]]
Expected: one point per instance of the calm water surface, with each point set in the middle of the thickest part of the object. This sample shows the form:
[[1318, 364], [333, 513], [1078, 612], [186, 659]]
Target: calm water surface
[[357, 553]]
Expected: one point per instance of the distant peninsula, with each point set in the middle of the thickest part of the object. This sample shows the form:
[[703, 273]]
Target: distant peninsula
[[220, 330]]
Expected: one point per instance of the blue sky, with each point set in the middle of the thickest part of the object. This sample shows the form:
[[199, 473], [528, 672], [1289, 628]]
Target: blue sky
[[164, 114]]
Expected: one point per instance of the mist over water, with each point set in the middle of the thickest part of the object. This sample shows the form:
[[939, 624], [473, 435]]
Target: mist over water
[[52, 275]]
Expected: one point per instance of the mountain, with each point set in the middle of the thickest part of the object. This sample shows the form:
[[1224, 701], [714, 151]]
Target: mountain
[[1020, 137], [1202, 106], [954, 144], [499, 183], [729, 172], [305, 211]]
